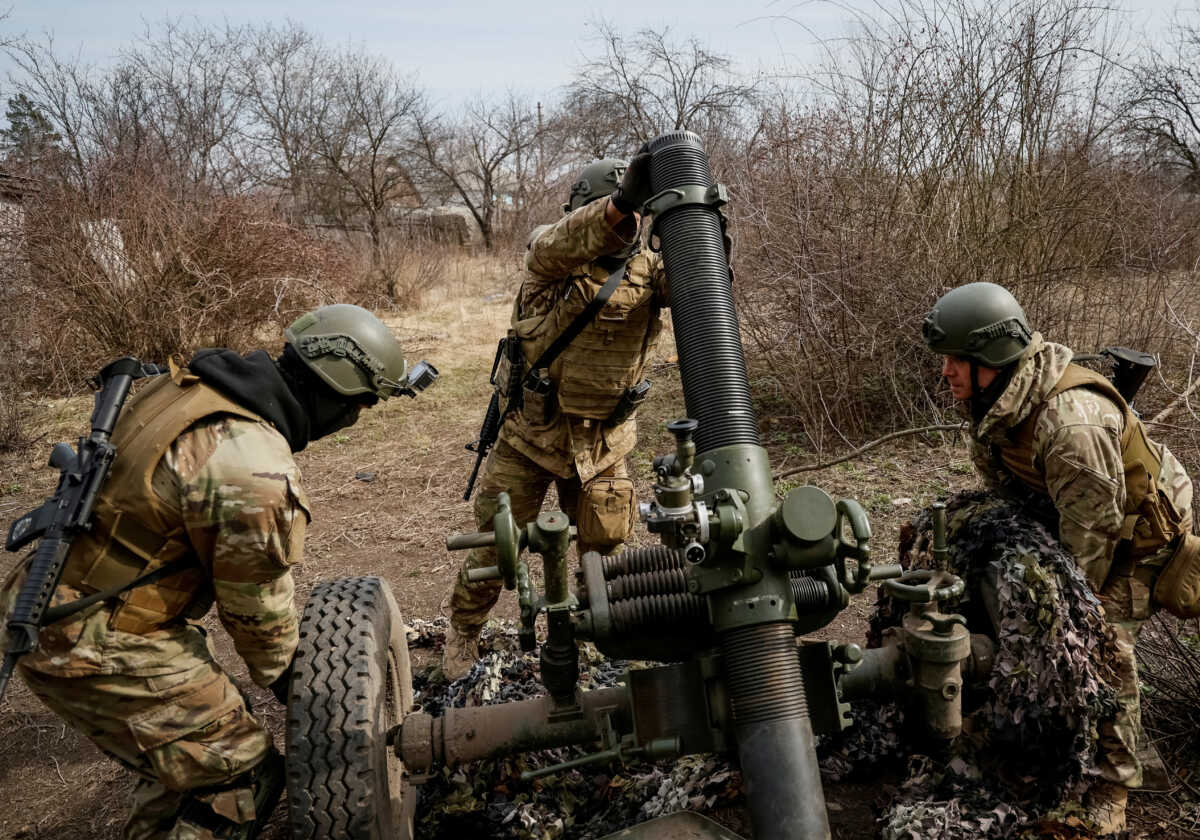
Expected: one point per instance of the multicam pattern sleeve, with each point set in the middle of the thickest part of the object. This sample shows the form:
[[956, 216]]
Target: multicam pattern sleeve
[[245, 515], [575, 240], [1078, 442]]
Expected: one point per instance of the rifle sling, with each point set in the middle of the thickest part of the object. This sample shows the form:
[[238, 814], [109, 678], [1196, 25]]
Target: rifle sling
[[54, 614], [579, 324]]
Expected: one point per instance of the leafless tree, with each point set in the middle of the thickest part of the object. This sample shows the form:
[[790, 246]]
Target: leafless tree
[[281, 75], [186, 78], [487, 159], [62, 91], [654, 83], [1163, 98], [362, 113], [169, 105]]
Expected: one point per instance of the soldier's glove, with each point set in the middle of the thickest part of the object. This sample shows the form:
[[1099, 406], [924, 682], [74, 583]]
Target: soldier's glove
[[282, 685], [634, 189]]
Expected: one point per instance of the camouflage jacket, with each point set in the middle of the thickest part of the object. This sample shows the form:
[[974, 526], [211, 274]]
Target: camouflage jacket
[[236, 488], [1077, 450], [562, 275]]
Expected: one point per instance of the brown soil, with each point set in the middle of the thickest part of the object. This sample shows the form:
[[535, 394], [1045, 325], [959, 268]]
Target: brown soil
[[385, 494]]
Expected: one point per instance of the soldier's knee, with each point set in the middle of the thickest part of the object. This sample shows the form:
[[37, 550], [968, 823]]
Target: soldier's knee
[[484, 507], [211, 754]]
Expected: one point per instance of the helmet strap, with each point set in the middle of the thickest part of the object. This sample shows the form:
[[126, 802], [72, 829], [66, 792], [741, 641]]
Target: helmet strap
[[978, 409]]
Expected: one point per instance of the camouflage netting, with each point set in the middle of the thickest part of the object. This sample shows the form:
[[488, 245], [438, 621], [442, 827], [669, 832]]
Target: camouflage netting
[[488, 798], [1029, 745]]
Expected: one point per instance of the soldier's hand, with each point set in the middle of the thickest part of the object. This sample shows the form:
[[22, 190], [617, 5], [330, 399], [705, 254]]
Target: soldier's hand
[[282, 685], [634, 189]]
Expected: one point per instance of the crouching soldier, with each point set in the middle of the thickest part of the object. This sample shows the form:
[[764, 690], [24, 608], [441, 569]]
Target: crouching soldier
[[203, 482], [1044, 426]]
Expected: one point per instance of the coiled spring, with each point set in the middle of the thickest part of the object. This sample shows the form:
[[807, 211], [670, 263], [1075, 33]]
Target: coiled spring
[[638, 560], [632, 614]]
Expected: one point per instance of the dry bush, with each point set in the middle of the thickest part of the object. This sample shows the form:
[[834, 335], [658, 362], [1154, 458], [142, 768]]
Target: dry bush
[[951, 144], [408, 264], [16, 426], [1169, 663], [130, 269]]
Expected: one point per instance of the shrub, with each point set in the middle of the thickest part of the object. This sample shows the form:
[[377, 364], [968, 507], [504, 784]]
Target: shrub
[[133, 270]]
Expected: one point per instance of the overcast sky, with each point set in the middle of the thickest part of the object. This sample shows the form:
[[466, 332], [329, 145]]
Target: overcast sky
[[461, 47]]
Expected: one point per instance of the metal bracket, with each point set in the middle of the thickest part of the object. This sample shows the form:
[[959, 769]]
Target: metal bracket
[[668, 200]]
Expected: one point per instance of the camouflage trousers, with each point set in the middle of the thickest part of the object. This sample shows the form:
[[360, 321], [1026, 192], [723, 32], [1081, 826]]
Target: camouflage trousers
[[1126, 601], [601, 510], [181, 732]]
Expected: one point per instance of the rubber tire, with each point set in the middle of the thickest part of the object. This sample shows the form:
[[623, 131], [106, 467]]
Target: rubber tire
[[351, 683]]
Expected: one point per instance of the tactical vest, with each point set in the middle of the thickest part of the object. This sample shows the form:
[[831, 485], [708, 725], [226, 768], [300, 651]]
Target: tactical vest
[[1151, 520], [137, 525], [609, 355]]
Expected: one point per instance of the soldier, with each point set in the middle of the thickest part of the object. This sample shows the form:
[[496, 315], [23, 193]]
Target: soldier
[[576, 426], [204, 476], [1124, 503]]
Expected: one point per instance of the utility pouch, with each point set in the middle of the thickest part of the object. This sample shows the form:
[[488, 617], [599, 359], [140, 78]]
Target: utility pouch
[[540, 400], [628, 404], [605, 514], [1177, 589]]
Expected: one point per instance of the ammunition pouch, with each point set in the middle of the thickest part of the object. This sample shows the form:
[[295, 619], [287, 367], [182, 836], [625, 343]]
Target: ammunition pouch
[[1177, 589], [539, 401], [628, 404], [605, 514], [509, 367]]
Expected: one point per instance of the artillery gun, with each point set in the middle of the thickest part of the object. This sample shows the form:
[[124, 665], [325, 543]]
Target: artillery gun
[[722, 602]]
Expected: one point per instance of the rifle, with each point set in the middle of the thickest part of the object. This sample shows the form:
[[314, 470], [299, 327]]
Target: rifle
[[1129, 368], [68, 511], [508, 348]]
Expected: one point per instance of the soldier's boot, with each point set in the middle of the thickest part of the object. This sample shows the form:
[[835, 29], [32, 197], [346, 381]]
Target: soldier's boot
[[461, 651], [238, 810], [1105, 806]]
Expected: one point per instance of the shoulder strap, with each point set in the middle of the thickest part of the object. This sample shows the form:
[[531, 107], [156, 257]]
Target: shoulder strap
[[54, 614], [1077, 376], [581, 320]]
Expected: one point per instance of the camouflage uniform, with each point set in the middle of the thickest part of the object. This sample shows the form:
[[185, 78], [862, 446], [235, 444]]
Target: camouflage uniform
[[147, 692], [566, 442], [1074, 456]]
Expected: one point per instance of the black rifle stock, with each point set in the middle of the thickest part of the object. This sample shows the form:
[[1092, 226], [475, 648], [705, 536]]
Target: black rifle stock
[[66, 513]]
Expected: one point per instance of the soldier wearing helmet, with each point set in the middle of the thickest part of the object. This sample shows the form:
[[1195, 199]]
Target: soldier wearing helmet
[[204, 482], [576, 426], [1124, 503]]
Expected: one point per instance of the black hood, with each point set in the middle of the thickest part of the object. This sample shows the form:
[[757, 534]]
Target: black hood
[[254, 381]]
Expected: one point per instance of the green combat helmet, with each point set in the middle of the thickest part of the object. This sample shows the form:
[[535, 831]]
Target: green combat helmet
[[355, 353], [596, 180], [978, 321]]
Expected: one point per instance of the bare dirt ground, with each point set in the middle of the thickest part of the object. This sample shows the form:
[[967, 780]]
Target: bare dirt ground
[[385, 494]]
